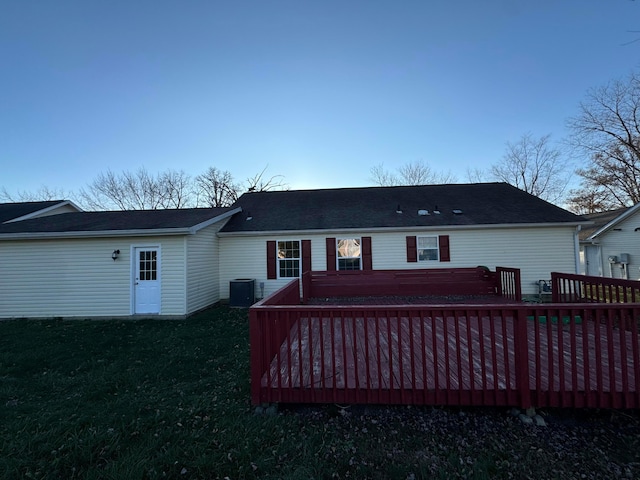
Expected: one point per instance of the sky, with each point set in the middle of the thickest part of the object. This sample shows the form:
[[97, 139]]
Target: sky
[[318, 92]]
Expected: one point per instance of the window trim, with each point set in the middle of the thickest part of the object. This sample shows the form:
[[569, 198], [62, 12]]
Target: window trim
[[436, 248], [338, 257], [444, 248], [299, 258]]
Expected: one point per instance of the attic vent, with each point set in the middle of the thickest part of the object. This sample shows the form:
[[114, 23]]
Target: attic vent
[[436, 211], [399, 209], [422, 213], [457, 212]]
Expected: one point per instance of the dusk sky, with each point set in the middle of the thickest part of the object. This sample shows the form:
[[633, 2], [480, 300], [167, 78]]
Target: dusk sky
[[317, 91]]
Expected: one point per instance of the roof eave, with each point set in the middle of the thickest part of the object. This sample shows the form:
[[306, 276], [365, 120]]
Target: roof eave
[[216, 219], [100, 233], [623, 216], [37, 213], [403, 229]]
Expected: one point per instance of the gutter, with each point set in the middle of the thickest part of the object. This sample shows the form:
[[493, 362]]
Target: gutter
[[100, 233], [424, 228]]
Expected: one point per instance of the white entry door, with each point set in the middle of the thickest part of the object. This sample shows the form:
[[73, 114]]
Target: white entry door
[[146, 281], [592, 258]]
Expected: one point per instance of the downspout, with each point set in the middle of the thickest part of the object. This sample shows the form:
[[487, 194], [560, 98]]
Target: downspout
[[576, 249]]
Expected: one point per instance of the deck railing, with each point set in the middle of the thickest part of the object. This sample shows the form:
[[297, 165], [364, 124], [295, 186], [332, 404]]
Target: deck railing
[[571, 288], [577, 355], [433, 281], [509, 283]]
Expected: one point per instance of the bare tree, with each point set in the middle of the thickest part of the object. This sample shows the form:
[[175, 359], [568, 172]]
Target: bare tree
[[587, 199], [176, 189], [533, 165], [413, 173], [260, 183], [41, 194], [216, 188], [477, 175], [138, 190], [141, 190], [382, 177], [607, 133]]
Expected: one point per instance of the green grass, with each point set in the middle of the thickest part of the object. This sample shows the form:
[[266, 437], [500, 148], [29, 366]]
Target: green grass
[[170, 399]]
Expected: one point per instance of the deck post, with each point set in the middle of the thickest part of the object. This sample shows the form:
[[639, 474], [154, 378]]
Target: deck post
[[521, 344], [255, 340], [555, 287]]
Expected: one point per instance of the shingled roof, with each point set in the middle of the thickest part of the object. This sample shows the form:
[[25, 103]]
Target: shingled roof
[[379, 207], [599, 220], [11, 211], [117, 222]]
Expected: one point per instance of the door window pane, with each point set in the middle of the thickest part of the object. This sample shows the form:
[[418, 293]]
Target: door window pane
[[148, 267]]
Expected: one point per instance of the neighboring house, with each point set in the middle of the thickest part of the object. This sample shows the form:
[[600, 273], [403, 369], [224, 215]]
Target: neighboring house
[[611, 246], [109, 264], [173, 263], [280, 234]]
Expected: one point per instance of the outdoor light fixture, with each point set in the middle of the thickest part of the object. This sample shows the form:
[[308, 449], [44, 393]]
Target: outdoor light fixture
[[115, 254]]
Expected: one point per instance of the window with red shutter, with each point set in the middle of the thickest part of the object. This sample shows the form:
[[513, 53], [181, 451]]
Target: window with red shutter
[[412, 251], [271, 260], [367, 257], [331, 254], [306, 256], [443, 244]]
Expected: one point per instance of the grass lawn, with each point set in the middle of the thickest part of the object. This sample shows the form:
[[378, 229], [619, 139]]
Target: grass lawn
[[170, 399]]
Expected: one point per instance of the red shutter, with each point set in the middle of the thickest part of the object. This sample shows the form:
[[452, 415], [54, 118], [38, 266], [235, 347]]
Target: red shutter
[[443, 243], [271, 260], [306, 256], [412, 250], [367, 259], [331, 254]]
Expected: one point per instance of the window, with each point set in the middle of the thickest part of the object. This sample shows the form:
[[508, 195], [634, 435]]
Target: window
[[348, 254], [289, 259], [427, 249], [148, 268]]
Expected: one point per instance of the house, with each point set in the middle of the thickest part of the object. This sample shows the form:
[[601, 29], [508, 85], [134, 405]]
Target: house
[[280, 234], [611, 246], [64, 262], [57, 261]]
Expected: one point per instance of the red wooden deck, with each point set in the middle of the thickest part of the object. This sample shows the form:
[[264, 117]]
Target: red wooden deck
[[382, 354], [560, 355]]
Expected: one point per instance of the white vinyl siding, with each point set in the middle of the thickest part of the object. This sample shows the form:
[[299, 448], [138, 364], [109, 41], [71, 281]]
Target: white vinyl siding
[[78, 278], [536, 251], [203, 287], [622, 239]]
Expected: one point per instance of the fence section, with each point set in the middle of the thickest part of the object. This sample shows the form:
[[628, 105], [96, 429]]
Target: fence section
[[582, 355], [571, 288]]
